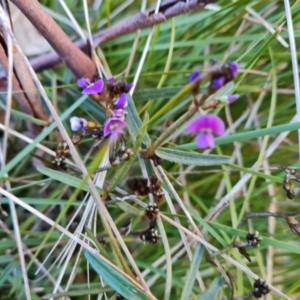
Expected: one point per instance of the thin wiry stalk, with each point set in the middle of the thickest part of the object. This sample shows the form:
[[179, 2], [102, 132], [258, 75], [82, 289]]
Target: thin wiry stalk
[[195, 228], [133, 52], [28, 252], [88, 212], [224, 201], [73, 20], [268, 26], [183, 237], [271, 225], [294, 62], [100, 67], [228, 258], [17, 235], [105, 216], [67, 233], [13, 213], [9, 94]]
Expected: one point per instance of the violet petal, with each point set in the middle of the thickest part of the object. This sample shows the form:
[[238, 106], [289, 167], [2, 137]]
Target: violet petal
[[195, 126], [215, 124], [218, 82], [83, 82], [205, 140], [94, 88], [234, 67], [194, 76], [129, 87], [78, 123], [232, 98], [121, 101], [114, 126], [118, 113]]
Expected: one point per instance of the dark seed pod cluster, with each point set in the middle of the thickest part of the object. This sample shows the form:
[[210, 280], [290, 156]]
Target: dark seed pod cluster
[[260, 288]]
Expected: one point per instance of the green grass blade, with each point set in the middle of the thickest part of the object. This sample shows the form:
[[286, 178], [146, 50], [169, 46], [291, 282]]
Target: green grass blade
[[116, 280], [191, 275], [191, 158]]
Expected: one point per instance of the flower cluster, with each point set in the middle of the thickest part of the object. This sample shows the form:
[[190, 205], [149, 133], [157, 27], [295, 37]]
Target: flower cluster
[[116, 99], [208, 125]]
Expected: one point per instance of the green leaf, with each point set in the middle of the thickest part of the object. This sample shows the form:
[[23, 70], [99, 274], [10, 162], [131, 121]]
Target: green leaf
[[134, 122], [66, 179], [191, 158], [20, 156], [213, 289], [289, 247], [191, 276], [205, 224], [154, 94], [82, 292], [130, 209], [115, 279]]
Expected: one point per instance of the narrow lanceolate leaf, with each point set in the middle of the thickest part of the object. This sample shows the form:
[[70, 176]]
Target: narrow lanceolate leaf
[[134, 121], [191, 276], [130, 209], [66, 179], [191, 158], [115, 280], [155, 94], [213, 289]]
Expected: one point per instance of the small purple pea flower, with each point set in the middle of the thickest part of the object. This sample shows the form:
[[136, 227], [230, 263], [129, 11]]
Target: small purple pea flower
[[206, 126], [194, 76], [129, 86], [111, 80], [78, 123], [114, 127], [232, 98], [119, 113], [121, 101], [218, 82], [89, 87], [234, 68], [229, 98]]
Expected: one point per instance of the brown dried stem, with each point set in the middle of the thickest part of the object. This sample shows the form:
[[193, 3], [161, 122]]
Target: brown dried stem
[[131, 24], [80, 64]]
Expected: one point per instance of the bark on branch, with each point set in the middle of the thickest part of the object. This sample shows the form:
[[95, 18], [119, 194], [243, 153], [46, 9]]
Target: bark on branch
[[168, 9], [80, 64]]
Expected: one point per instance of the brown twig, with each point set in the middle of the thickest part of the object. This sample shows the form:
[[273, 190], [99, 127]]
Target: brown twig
[[28, 100], [131, 24], [80, 64]]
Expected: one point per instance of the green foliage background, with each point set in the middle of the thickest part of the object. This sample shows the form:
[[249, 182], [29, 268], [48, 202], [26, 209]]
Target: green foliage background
[[179, 45]]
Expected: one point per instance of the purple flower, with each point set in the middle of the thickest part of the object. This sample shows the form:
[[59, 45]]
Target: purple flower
[[90, 87], [206, 126], [78, 123], [232, 98], [229, 98], [218, 82], [111, 80], [121, 101], [114, 127], [194, 76], [129, 86], [234, 68], [119, 113]]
